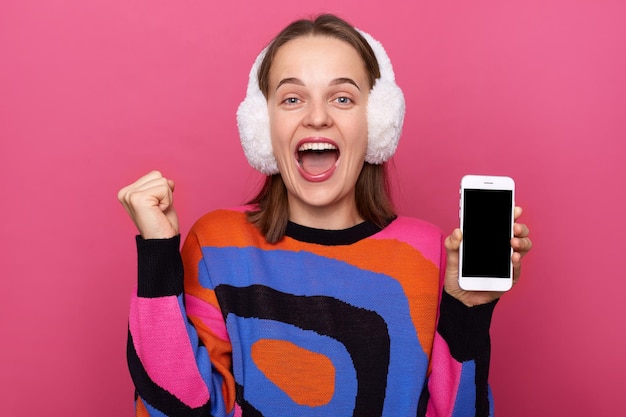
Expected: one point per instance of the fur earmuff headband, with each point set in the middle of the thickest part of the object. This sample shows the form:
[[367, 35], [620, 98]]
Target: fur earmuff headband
[[385, 115]]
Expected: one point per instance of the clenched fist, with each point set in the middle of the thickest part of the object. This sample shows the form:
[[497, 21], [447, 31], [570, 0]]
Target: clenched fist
[[149, 202]]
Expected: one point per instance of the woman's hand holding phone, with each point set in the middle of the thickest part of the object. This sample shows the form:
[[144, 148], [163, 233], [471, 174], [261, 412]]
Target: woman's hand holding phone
[[520, 244], [149, 202]]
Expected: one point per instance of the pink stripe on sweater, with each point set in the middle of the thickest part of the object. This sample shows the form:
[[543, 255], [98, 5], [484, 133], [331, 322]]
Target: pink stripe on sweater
[[208, 314], [444, 380], [423, 236], [160, 337]]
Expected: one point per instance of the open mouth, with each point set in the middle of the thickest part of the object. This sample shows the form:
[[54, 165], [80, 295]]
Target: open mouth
[[317, 158]]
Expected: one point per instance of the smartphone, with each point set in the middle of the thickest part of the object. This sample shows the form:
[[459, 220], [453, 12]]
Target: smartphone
[[486, 216]]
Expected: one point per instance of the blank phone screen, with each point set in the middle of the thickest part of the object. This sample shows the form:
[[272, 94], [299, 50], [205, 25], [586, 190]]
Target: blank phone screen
[[487, 233]]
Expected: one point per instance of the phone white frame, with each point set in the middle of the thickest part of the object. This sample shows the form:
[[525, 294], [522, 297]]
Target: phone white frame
[[485, 182]]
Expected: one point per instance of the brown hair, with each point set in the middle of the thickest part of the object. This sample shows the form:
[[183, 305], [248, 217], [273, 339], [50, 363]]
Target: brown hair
[[324, 25], [372, 196]]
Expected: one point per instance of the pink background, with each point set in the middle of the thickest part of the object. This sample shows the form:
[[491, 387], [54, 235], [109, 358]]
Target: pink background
[[95, 93]]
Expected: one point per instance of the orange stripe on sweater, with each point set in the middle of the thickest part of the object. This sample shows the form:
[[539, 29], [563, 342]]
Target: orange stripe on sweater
[[307, 377], [140, 409]]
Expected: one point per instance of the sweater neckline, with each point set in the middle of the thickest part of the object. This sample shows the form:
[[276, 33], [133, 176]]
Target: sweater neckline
[[331, 237]]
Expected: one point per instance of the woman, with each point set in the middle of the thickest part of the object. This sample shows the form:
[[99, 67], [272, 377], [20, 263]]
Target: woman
[[315, 299]]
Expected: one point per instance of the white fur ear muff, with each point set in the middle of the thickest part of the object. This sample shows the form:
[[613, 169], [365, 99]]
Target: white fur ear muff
[[253, 122], [385, 115], [385, 109]]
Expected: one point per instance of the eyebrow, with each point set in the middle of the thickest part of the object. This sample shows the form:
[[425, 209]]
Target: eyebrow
[[336, 81], [343, 80], [291, 80]]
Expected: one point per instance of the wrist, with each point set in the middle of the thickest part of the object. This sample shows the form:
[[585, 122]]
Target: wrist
[[160, 269]]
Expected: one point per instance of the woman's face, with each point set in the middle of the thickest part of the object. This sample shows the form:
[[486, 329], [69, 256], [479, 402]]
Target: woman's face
[[317, 103]]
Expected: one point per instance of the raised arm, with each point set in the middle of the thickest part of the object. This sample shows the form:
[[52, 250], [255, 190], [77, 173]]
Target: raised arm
[[458, 381], [178, 365]]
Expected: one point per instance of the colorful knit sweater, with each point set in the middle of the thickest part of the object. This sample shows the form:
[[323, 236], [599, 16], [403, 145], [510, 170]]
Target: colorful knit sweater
[[323, 323]]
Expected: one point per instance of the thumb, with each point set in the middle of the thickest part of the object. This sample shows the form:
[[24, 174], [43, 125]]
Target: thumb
[[452, 244], [453, 241], [166, 198]]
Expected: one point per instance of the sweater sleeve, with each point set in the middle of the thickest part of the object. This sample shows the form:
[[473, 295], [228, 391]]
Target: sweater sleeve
[[174, 370], [458, 382]]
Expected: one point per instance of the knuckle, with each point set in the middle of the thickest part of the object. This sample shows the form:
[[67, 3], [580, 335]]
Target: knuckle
[[133, 198]]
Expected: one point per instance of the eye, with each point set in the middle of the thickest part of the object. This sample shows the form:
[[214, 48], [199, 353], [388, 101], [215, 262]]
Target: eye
[[291, 100], [343, 101]]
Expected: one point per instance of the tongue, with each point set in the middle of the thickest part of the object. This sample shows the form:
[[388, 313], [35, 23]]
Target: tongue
[[316, 163]]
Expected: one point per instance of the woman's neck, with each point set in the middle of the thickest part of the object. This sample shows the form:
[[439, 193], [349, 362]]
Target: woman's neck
[[334, 217]]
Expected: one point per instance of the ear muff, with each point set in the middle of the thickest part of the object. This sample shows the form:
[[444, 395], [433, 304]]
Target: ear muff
[[385, 109], [253, 122], [385, 115]]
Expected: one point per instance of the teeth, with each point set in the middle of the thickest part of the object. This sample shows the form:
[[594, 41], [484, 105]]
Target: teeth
[[316, 146]]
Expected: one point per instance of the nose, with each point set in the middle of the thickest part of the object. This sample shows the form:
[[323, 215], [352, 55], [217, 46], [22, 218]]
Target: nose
[[317, 115]]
